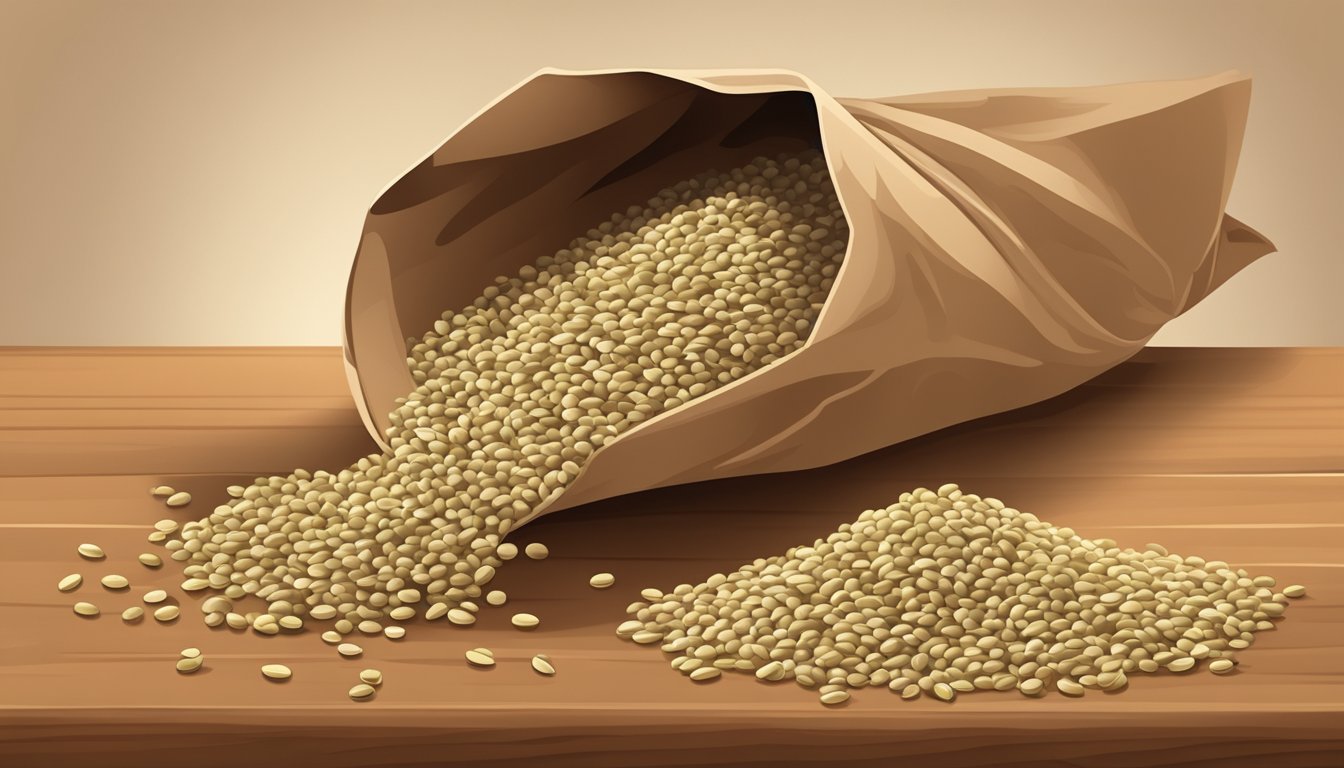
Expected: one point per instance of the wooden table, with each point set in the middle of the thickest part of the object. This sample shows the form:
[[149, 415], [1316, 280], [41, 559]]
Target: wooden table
[[1230, 454]]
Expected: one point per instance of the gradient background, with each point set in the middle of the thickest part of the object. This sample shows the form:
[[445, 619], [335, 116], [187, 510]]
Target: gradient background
[[183, 173]]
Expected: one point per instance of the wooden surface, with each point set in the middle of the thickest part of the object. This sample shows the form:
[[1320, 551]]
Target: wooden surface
[[1229, 454]]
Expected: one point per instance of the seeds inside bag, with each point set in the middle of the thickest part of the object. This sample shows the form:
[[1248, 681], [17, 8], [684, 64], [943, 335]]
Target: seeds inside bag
[[713, 279]]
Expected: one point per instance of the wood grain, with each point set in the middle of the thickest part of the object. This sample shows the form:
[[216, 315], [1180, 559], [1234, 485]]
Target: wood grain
[[1235, 455]]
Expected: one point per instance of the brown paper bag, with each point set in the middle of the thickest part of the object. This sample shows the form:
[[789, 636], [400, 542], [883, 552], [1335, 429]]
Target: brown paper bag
[[1006, 245]]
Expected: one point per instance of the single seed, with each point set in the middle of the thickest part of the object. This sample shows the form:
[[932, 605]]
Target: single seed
[[179, 499], [70, 583], [166, 613], [461, 617], [292, 623], [150, 560], [134, 613], [91, 552], [944, 691], [496, 597], [333, 638], [155, 596], [86, 609], [1222, 666], [525, 620], [1069, 687], [394, 633], [323, 612], [276, 671], [833, 698], [1294, 591], [371, 676], [362, 692], [166, 525], [156, 536], [188, 664], [601, 580], [195, 585], [507, 551], [537, 551], [114, 581], [702, 674], [162, 490], [481, 657], [349, 649], [216, 604], [542, 664]]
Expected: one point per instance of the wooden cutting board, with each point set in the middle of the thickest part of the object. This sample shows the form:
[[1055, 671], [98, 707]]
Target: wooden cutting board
[[1231, 454]]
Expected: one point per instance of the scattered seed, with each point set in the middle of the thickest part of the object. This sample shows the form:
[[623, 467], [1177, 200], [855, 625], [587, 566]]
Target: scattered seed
[[190, 653], [703, 674], [525, 620], [70, 583], [155, 596], [481, 657], [1222, 666], [542, 665], [188, 664], [461, 617], [134, 613], [195, 585], [156, 537], [333, 638], [166, 525], [1295, 591], [276, 671], [394, 633], [371, 676], [150, 560], [91, 552], [349, 649], [601, 580], [162, 490], [114, 581], [86, 609], [179, 499], [166, 613], [537, 551], [496, 597], [362, 692]]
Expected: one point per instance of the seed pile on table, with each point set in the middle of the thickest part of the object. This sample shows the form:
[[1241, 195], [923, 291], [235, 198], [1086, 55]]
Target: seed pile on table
[[946, 593], [714, 278]]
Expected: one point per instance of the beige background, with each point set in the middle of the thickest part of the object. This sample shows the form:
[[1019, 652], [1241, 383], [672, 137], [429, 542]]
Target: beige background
[[191, 173]]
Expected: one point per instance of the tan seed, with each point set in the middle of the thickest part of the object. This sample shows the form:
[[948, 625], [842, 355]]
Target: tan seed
[[166, 613], [166, 525], [150, 560], [461, 617], [362, 692], [1222, 666], [276, 671], [1294, 591], [70, 583], [349, 649], [542, 665], [179, 499], [155, 596], [833, 698], [86, 609], [371, 676], [394, 633], [115, 581], [481, 657], [188, 664], [537, 551], [496, 597], [91, 552], [703, 674], [525, 620], [601, 580], [944, 691], [134, 613]]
